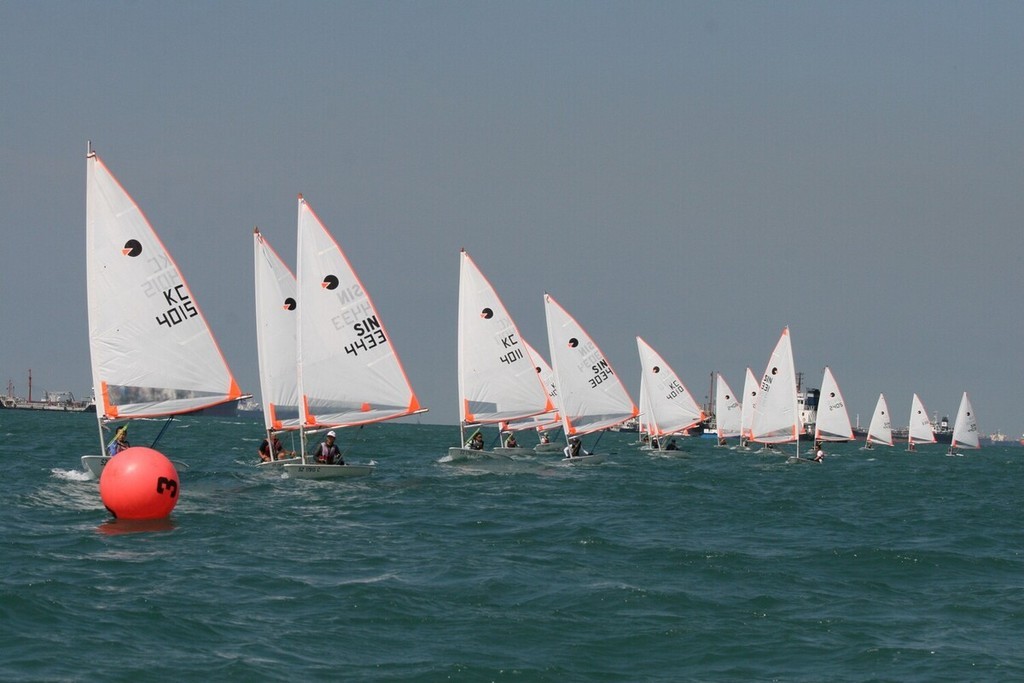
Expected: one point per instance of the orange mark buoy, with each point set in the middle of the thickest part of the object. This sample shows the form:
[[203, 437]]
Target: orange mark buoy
[[139, 483]]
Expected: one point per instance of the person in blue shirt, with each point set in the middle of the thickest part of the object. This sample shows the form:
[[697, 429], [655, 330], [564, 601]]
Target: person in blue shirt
[[120, 441]]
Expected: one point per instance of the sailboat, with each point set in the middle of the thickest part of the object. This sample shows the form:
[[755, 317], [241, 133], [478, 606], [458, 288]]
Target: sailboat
[[276, 304], [920, 430], [591, 396], [152, 353], [349, 374], [750, 392], [880, 429], [965, 429], [728, 411], [498, 378], [776, 414], [544, 423], [833, 422], [670, 406]]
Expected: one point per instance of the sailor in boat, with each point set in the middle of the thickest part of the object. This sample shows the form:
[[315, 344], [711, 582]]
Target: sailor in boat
[[273, 449], [120, 441], [476, 442], [544, 438], [671, 445], [574, 449], [328, 453], [511, 442], [819, 455]]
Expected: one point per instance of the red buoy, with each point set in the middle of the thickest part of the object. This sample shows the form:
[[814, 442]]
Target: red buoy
[[139, 483]]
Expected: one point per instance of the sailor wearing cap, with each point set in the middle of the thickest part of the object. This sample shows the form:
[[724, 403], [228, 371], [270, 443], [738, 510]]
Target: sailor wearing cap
[[327, 452]]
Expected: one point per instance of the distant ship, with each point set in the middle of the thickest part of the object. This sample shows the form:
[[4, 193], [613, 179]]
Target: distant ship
[[57, 401]]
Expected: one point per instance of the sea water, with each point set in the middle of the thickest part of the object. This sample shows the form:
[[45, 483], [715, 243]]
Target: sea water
[[703, 565]]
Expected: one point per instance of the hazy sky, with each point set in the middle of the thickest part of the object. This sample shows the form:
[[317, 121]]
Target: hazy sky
[[700, 174]]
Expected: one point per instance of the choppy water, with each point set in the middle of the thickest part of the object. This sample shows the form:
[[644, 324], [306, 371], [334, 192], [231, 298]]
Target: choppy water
[[708, 565]]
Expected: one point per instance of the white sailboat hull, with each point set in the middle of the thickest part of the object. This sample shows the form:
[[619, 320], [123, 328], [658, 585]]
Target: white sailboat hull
[[591, 459], [548, 448], [269, 464], [314, 471], [94, 464], [456, 454]]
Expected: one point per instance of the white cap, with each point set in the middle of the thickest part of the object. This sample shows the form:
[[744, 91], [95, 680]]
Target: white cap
[[331, 433]]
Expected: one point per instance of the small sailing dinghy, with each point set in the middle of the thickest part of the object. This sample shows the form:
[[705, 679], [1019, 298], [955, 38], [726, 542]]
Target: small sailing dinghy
[[833, 422], [728, 411], [545, 423], [880, 428], [776, 413], [498, 378], [591, 397], [965, 429], [152, 353], [349, 374], [750, 392], [920, 429], [276, 310], [670, 408]]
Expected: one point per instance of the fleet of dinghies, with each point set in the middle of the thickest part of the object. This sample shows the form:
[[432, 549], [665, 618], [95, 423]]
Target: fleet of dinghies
[[327, 362]]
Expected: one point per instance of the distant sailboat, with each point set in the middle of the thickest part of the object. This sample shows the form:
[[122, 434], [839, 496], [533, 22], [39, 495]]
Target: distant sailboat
[[153, 354], [498, 378], [728, 411], [920, 430], [833, 422], [965, 429], [776, 414], [750, 393], [276, 347], [671, 408], [349, 373], [880, 429], [591, 396]]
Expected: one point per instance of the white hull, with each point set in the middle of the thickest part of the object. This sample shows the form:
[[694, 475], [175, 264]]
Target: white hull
[[512, 452], [313, 471], [548, 448], [584, 459], [456, 453], [94, 464], [270, 464]]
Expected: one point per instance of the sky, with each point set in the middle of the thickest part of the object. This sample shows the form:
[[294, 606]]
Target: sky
[[700, 174]]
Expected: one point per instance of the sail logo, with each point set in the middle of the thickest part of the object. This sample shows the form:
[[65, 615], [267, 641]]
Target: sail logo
[[132, 248], [573, 343], [289, 304], [330, 282], [487, 314]]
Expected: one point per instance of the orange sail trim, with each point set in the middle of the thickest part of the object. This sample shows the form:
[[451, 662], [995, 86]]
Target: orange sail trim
[[467, 416], [109, 409], [414, 405]]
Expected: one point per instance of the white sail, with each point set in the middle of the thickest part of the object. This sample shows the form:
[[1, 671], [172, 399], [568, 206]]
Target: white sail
[[833, 423], [728, 410], [965, 429], [349, 373], [776, 415], [152, 352], [920, 430], [276, 302], [498, 380], [547, 420], [670, 404], [591, 395], [880, 429], [750, 392]]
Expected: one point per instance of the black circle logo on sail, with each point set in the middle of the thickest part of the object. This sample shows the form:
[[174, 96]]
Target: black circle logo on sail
[[573, 343], [132, 248], [775, 371], [727, 397], [487, 314], [331, 282], [831, 394], [289, 304], [656, 370]]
